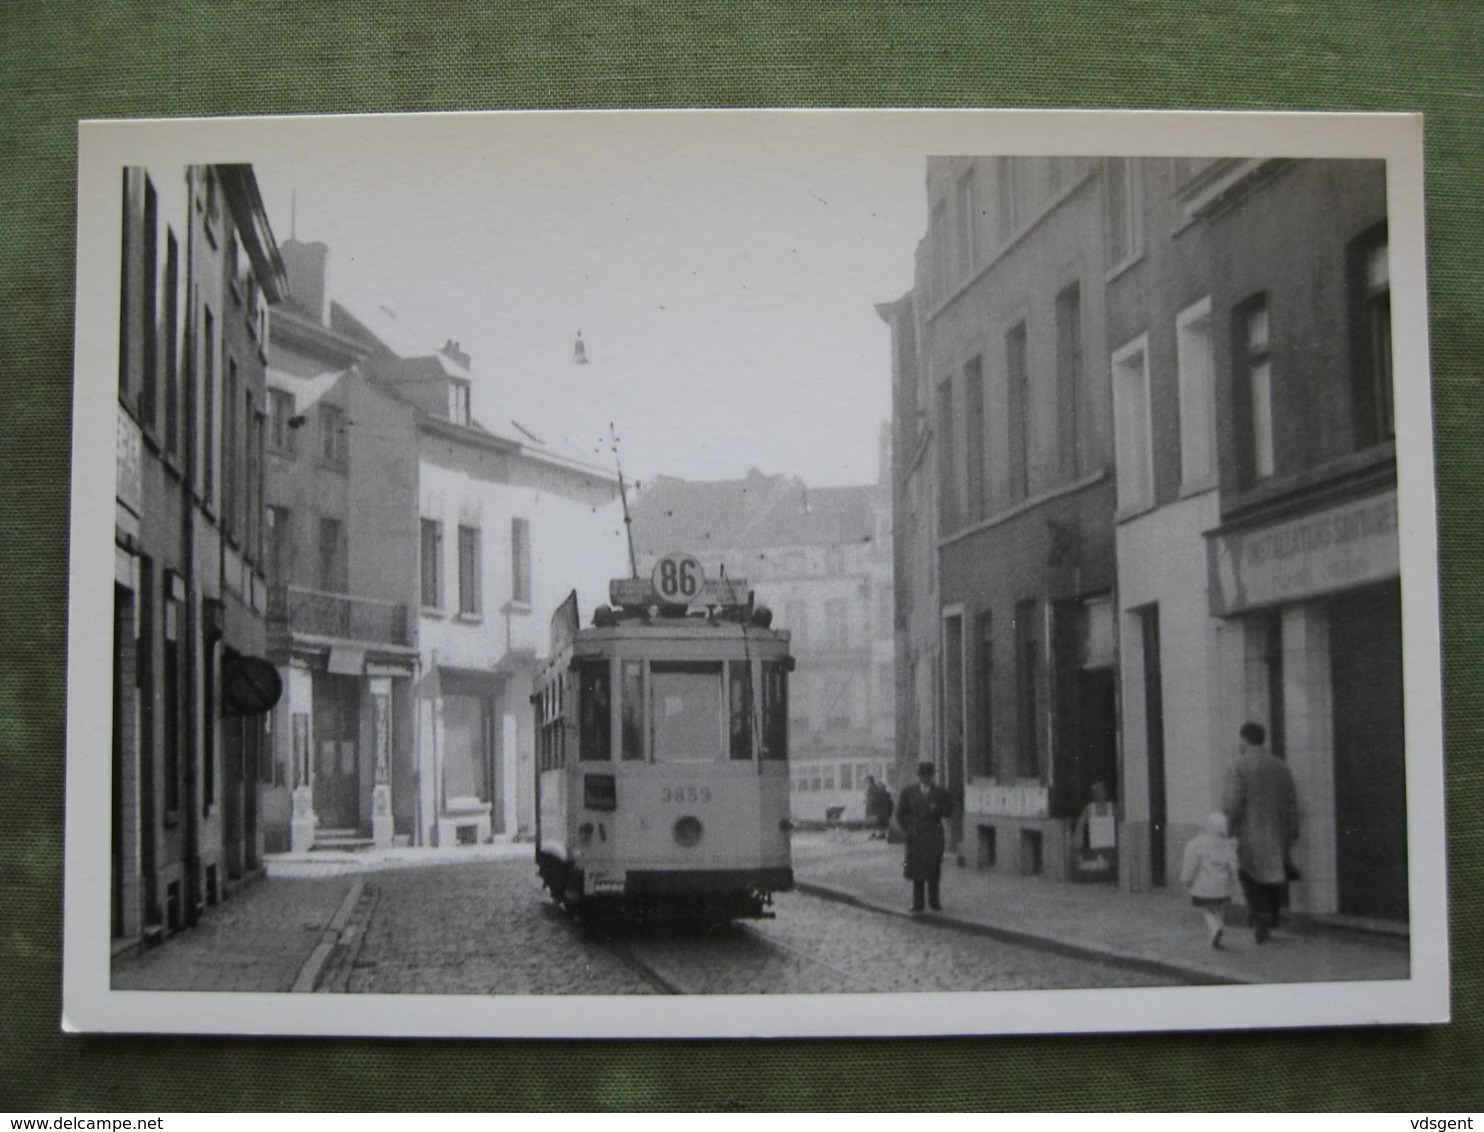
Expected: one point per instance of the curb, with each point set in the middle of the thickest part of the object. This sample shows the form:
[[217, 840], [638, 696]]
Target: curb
[[309, 973], [1192, 975]]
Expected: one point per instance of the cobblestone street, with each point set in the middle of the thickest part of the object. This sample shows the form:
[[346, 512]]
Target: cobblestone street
[[487, 927]]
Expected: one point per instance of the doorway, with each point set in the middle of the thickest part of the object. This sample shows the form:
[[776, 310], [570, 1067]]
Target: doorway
[[337, 779], [1370, 753]]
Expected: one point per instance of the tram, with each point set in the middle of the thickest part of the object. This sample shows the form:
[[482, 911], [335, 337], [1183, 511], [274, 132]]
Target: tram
[[662, 776]]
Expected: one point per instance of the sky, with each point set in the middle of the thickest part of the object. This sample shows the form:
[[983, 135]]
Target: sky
[[723, 272]]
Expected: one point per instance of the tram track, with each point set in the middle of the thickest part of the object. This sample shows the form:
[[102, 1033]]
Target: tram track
[[734, 958]]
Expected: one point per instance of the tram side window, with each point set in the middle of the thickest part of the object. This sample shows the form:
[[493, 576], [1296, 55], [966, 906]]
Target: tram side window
[[740, 704], [685, 714], [633, 711], [775, 710], [594, 700], [550, 740]]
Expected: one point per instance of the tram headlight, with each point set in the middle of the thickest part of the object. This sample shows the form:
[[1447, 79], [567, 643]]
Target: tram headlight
[[687, 832]]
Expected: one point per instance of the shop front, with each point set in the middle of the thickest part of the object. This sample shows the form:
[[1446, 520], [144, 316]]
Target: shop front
[[1312, 646]]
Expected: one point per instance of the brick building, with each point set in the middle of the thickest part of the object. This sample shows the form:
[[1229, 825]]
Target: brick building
[[1155, 397], [199, 269]]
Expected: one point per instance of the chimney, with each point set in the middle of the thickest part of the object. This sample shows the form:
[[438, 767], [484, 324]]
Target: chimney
[[308, 268]]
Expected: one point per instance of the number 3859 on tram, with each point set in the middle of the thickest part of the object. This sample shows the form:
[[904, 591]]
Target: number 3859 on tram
[[662, 777]]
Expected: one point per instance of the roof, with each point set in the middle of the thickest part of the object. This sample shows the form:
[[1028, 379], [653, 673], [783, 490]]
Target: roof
[[756, 512]]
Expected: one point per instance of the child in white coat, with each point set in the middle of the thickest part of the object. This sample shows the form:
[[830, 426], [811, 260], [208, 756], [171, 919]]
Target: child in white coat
[[1209, 873]]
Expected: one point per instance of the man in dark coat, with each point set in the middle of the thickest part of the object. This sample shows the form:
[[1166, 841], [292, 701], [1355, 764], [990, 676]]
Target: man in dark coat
[[920, 812], [1261, 807]]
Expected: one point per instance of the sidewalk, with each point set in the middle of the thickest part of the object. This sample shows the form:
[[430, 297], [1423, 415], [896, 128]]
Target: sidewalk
[[277, 933], [1155, 931]]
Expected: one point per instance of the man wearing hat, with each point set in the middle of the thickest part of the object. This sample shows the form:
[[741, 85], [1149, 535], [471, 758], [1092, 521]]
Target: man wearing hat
[[920, 813]]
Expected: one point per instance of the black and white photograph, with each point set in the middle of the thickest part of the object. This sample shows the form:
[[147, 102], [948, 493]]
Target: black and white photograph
[[753, 573]]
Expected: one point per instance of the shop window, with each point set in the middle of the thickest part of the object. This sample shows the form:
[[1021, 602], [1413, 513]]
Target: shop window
[[982, 762], [1027, 679]]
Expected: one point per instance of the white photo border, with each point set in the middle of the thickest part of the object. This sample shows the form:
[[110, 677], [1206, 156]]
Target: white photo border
[[89, 1003]]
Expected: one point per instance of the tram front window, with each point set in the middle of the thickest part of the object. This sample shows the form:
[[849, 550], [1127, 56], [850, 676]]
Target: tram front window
[[685, 718]]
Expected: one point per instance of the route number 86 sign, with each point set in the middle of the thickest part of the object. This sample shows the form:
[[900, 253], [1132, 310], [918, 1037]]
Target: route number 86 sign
[[678, 578]]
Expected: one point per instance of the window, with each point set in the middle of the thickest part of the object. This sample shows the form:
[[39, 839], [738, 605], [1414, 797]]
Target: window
[[172, 330], [1254, 391], [213, 205], [1122, 237], [149, 323], [775, 711], [1196, 360], [947, 460], [332, 576], [967, 214], [976, 442], [595, 708], [126, 255], [280, 550], [1018, 381], [982, 762], [231, 455], [460, 405], [1069, 379], [208, 404], [280, 422], [253, 526], [1133, 454], [632, 719], [1008, 200], [1027, 661], [332, 435], [431, 561], [739, 704], [685, 716], [1370, 273], [520, 561], [469, 571]]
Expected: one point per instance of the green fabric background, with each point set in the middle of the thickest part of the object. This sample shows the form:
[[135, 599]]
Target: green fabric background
[[60, 62]]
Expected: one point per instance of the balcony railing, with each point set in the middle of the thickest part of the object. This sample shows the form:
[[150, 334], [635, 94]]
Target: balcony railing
[[316, 613]]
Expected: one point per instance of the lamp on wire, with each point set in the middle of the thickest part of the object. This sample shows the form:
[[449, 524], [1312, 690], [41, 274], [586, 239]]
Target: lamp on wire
[[579, 351]]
